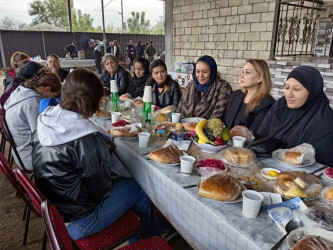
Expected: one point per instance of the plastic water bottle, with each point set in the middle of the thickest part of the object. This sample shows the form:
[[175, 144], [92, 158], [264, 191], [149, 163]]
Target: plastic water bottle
[[147, 112], [115, 101]]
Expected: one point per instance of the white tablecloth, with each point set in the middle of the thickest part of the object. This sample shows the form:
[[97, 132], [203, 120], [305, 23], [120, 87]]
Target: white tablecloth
[[204, 223], [72, 63]]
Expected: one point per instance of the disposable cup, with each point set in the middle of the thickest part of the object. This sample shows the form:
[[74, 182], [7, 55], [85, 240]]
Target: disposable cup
[[143, 139], [238, 141], [251, 203], [175, 117], [147, 95], [113, 86], [152, 108], [128, 103], [115, 116], [186, 164]]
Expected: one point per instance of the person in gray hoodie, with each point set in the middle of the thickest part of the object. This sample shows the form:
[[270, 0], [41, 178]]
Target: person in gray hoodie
[[73, 164], [22, 108]]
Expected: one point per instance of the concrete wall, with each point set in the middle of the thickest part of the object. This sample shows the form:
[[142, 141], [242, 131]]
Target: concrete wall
[[231, 31]]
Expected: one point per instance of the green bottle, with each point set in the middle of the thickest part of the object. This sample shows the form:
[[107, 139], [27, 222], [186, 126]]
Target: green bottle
[[115, 101], [146, 112]]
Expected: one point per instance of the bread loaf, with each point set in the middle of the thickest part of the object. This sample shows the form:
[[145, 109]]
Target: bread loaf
[[126, 131], [160, 117], [241, 131], [312, 242], [190, 125], [138, 102], [293, 157], [166, 110], [221, 187], [169, 155], [241, 156], [125, 96], [102, 113]]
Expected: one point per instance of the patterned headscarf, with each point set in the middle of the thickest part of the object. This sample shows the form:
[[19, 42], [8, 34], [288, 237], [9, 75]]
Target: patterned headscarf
[[213, 73]]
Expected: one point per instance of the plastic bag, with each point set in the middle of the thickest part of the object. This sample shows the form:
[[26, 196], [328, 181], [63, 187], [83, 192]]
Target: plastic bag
[[240, 157], [326, 196], [320, 215], [128, 61], [178, 66], [187, 68], [300, 154], [313, 242]]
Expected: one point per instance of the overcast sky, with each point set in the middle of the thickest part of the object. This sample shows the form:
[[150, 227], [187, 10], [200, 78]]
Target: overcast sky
[[18, 9]]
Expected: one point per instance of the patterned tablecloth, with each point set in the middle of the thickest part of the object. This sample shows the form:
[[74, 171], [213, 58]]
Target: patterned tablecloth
[[204, 223], [67, 63]]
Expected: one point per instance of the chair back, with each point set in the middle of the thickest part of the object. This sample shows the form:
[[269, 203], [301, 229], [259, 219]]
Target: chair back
[[34, 194], [55, 228], [11, 141]]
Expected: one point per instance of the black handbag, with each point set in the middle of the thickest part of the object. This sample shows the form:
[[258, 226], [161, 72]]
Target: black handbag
[[264, 146]]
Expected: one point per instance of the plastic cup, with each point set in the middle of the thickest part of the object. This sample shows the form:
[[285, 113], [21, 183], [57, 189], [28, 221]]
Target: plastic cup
[[238, 141], [152, 108], [147, 95], [113, 86], [115, 116], [143, 139], [175, 117], [186, 164], [128, 103], [251, 203]]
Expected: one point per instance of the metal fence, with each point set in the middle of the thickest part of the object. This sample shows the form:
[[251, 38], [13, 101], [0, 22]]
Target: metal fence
[[302, 28], [44, 43]]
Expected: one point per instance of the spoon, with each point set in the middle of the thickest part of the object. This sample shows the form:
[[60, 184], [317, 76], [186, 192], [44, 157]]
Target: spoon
[[291, 225]]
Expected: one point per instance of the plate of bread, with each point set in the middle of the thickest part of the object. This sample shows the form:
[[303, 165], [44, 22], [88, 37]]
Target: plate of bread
[[169, 155], [223, 187], [127, 132], [242, 131], [239, 157], [102, 114], [298, 183], [292, 158]]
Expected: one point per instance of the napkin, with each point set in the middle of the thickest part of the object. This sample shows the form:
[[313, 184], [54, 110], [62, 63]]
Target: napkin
[[182, 145], [283, 212]]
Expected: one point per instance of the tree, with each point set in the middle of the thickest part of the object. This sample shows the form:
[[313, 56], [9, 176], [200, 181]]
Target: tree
[[137, 24], [55, 12], [8, 23], [158, 29]]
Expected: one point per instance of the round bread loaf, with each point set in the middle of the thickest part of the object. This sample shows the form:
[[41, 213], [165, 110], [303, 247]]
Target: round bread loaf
[[102, 113], [125, 131], [124, 97], [241, 131], [190, 125], [166, 110], [221, 187], [312, 242], [138, 102], [160, 117]]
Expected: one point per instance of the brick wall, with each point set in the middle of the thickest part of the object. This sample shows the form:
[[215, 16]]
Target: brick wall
[[230, 31]]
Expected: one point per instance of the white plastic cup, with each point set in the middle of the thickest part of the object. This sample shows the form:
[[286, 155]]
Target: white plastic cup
[[152, 108], [238, 141], [175, 117], [186, 164], [251, 203], [115, 116], [147, 95], [143, 139], [128, 103], [113, 86]]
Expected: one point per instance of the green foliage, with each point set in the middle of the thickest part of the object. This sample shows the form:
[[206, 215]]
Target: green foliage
[[7, 23], [55, 12], [137, 24], [158, 29]]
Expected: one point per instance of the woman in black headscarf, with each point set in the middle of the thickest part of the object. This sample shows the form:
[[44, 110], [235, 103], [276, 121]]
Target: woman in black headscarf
[[141, 74], [303, 115]]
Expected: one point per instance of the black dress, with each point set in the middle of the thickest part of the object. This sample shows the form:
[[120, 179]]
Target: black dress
[[234, 114]]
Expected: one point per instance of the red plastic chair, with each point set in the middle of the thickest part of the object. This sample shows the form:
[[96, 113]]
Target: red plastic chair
[[153, 243], [120, 231], [27, 190]]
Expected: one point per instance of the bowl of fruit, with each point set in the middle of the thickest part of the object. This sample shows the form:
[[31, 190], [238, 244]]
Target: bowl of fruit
[[210, 135]]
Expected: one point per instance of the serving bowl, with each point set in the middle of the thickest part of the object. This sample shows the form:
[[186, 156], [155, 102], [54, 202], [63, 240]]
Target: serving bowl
[[208, 148]]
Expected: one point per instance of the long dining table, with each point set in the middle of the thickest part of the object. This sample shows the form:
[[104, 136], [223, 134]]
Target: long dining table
[[203, 223]]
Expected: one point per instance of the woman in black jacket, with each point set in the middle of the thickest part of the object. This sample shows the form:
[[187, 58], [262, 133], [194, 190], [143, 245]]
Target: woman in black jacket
[[165, 91], [141, 74], [72, 164], [249, 105], [114, 71]]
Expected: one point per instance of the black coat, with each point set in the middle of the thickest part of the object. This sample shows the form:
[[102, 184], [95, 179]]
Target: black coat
[[122, 77], [171, 97], [74, 176], [253, 119]]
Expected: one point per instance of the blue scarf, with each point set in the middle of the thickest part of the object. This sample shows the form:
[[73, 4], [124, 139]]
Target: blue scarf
[[213, 73]]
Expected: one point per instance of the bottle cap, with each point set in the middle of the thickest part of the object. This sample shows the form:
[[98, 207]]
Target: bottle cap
[[113, 85], [147, 96]]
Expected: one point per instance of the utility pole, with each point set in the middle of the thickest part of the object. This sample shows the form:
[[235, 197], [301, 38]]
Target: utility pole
[[69, 12], [104, 36], [122, 17]]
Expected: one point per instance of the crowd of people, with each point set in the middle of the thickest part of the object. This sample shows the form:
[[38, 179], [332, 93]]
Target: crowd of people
[[72, 158]]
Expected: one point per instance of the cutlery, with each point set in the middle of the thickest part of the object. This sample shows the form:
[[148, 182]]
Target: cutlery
[[190, 186], [314, 171], [291, 225]]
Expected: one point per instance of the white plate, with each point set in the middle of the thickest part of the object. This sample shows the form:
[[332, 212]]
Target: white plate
[[279, 154], [251, 139], [301, 232], [127, 138], [264, 172], [208, 148], [327, 175], [103, 118], [191, 119]]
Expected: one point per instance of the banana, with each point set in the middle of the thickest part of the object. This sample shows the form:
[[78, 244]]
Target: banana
[[201, 141], [199, 131]]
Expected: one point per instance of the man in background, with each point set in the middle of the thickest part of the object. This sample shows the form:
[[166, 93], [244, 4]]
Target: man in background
[[139, 50], [151, 51], [110, 49], [130, 51], [71, 49], [116, 49], [98, 55]]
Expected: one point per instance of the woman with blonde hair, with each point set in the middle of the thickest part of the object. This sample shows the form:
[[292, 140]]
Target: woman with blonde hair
[[15, 59], [249, 105]]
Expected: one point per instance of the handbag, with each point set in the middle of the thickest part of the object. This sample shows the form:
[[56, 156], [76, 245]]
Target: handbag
[[265, 145]]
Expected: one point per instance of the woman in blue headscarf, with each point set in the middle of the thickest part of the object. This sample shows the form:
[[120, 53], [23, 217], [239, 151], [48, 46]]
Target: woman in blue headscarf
[[207, 94]]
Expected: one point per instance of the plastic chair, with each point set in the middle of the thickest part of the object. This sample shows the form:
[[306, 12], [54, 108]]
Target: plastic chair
[[153, 243], [120, 231], [27, 190]]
